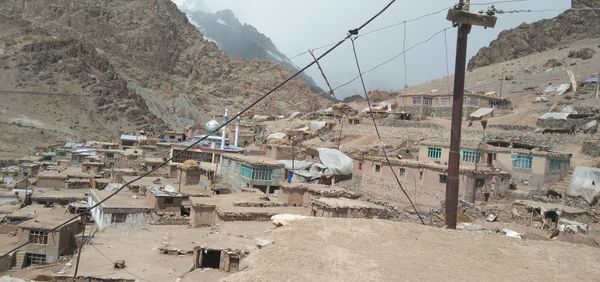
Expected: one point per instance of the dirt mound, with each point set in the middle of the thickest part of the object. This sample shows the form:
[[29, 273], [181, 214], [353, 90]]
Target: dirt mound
[[379, 250]]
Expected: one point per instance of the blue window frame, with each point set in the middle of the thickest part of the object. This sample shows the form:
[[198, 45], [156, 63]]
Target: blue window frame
[[416, 100], [434, 153], [470, 156], [523, 162], [256, 173], [428, 101], [555, 165]]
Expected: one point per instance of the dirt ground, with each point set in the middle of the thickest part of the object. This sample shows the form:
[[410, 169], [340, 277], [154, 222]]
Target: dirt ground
[[139, 249], [377, 250]]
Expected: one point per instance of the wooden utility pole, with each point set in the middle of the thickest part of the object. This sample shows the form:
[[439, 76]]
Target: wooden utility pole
[[460, 16], [322, 73]]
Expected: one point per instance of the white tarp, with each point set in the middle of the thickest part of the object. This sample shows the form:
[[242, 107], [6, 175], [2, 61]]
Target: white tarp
[[481, 113], [276, 135], [557, 89], [316, 125], [585, 183], [559, 116], [297, 164], [337, 162]]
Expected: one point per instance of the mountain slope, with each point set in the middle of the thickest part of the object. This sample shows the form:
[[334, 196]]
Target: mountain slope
[[241, 40], [543, 35], [89, 69]]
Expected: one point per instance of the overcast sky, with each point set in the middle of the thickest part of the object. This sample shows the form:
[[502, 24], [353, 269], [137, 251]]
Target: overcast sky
[[297, 25]]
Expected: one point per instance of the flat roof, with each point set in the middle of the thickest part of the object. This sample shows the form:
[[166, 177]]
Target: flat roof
[[420, 164], [122, 200], [255, 160], [48, 194], [47, 221], [345, 203], [491, 148]]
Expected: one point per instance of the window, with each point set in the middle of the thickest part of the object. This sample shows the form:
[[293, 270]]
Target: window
[[416, 100], [523, 162], [33, 259], [480, 182], [443, 178], [434, 153], [38, 236], [256, 173], [401, 172], [377, 168], [470, 156], [445, 101], [471, 102], [427, 101], [118, 217], [191, 155], [555, 165], [168, 200]]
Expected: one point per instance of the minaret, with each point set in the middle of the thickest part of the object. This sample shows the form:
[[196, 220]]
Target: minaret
[[237, 130], [224, 130]]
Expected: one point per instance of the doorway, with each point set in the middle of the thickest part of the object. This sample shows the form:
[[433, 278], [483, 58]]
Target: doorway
[[210, 258]]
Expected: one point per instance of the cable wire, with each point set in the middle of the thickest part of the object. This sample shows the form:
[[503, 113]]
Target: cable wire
[[390, 59], [379, 135], [165, 162]]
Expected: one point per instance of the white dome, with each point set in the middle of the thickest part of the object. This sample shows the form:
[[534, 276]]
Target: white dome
[[212, 125]]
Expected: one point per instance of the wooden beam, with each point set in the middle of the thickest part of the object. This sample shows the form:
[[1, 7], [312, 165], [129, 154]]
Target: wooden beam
[[465, 17]]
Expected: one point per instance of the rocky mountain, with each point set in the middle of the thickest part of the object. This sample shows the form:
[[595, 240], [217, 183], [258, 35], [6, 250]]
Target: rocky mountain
[[91, 69], [572, 25], [241, 40]]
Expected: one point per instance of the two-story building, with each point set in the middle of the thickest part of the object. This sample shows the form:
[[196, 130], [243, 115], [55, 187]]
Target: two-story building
[[46, 245], [373, 175], [424, 105], [258, 172], [528, 165]]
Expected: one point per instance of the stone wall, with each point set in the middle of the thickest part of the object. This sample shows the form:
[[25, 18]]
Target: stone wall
[[591, 148]]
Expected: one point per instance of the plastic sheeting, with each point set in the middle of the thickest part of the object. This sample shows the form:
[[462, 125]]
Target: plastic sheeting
[[558, 89], [276, 135], [585, 183], [337, 162], [560, 116], [297, 164], [316, 125], [481, 113]]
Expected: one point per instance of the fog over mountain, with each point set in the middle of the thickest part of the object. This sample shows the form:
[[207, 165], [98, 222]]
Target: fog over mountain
[[239, 39]]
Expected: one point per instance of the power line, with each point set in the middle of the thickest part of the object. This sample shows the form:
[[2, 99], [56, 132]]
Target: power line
[[165, 162], [391, 59], [379, 135]]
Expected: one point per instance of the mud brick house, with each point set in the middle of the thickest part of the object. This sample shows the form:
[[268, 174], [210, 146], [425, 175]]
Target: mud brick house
[[373, 173], [164, 200], [528, 164], [46, 246], [423, 105], [347, 208], [257, 172], [124, 209]]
